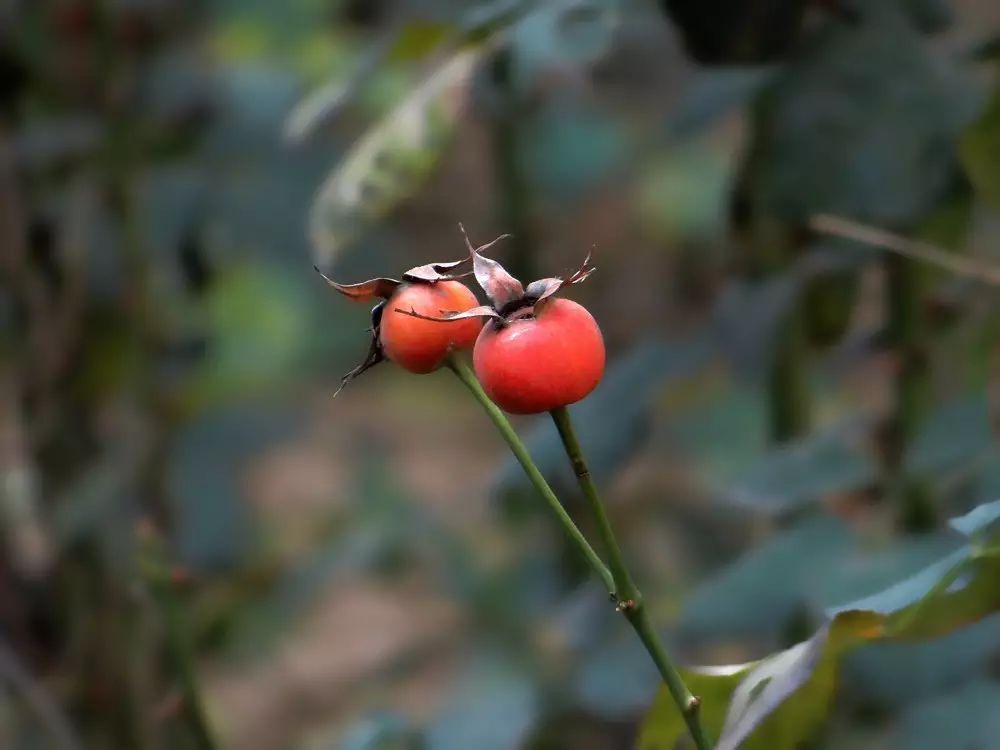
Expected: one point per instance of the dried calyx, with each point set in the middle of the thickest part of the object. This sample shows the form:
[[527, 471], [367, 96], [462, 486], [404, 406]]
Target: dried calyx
[[509, 298], [383, 288]]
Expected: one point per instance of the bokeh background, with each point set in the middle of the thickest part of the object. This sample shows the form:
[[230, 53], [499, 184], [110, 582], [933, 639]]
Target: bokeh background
[[787, 421]]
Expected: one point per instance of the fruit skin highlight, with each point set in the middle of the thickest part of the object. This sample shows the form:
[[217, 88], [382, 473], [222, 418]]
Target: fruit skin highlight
[[420, 345], [542, 361]]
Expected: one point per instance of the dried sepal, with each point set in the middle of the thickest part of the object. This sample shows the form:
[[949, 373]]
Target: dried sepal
[[499, 285], [375, 353], [544, 288], [483, 311], [366, 290], [432, 272]]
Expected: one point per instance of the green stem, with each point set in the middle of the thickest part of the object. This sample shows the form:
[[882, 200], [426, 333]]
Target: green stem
[[788, 387], [626, 592], [181, 657], [907, 335], [468, 379]]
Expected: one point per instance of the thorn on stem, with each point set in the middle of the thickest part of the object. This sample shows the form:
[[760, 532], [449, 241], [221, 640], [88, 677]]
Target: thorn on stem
[[625, 605]]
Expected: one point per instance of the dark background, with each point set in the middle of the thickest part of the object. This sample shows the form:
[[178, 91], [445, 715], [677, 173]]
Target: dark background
[[786, 422]]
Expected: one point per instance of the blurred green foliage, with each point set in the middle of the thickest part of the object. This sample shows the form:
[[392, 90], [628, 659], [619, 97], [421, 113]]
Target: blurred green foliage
[[786, 424]]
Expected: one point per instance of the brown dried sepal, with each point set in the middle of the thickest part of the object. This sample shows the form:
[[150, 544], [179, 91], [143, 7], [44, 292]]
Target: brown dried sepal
[[437, 272], [364, 291], [508, 297], [375, 354], [447, 316], [542, 289], [384, 288], [499, 285]]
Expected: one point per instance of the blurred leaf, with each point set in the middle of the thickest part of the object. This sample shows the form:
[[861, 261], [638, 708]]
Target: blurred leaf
[[876, 563], [322, 106], [839, 459], [569, 149], [683, 196], [784, 697], [835, 460], [860, 126], [749, 341], [258, 329], [392, 160], [930, 16], [417, 40], [957, 433], [212, 527], [895, 674], [723, 434], [612, 421], [760, 592], [616, 678], [385, 526], [987, 50], [979, 521], [713, 94], [44, 144], [980, 152], [382, 731], [962, 718], [493, 706], [561, 34]]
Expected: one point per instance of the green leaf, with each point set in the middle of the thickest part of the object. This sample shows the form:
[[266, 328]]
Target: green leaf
[[800, 680], [964, 718], [257, 321], [980, 152], [859, 126], [393, 159], [839, 459], [382, 731], [713, 94], [979, 521], [896, 674], [803, 471], [782, 699], [759, 593], [562, 33], [956, 434], [493, 706], [955, 591], [739, 702], [323, 105], [664, 726]]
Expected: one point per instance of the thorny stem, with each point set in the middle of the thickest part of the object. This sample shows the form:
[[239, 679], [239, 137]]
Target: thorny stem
[[627, 594], [468, 379]]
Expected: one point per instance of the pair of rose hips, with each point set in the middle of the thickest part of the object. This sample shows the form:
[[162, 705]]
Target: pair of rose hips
[[534, 353]]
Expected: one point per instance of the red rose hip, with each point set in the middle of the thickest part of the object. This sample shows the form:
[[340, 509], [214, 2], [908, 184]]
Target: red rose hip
[[420, 345], [536, 352], [541, 361]]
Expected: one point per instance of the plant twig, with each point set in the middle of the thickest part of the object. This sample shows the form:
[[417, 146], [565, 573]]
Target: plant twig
[[627, 594], [913, 249], [51, 716], [469, 380], [162, 585]]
